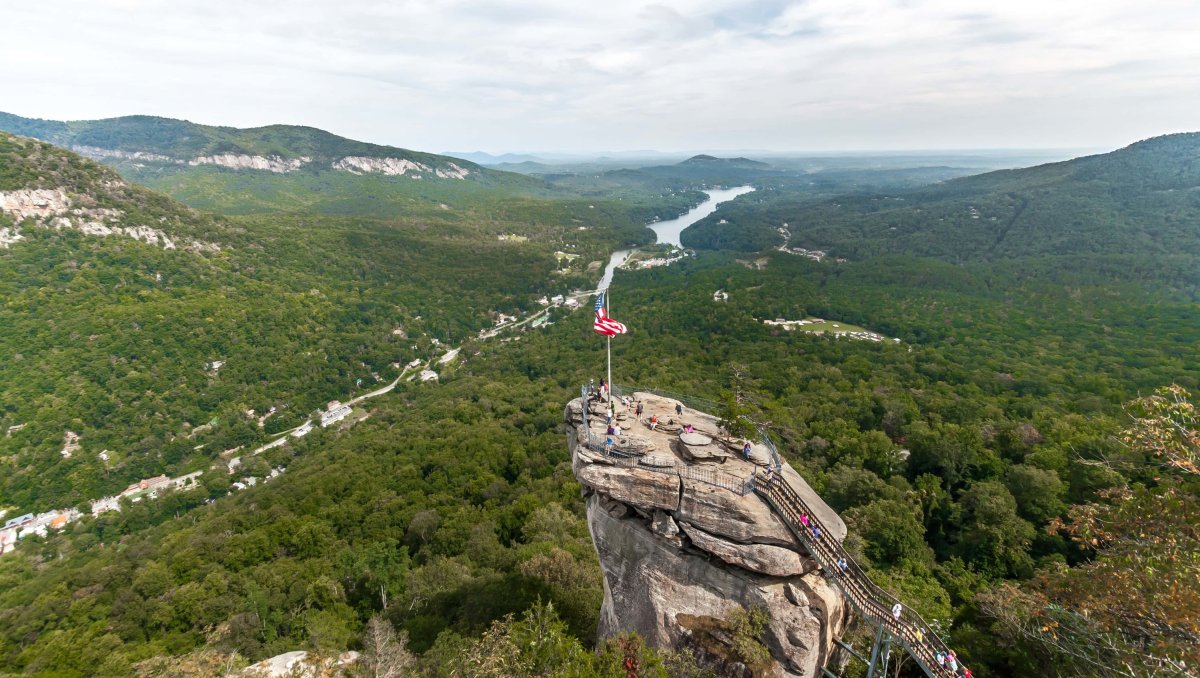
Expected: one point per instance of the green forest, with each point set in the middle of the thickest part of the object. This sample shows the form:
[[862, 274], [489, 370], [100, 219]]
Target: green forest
[[1021, 466]]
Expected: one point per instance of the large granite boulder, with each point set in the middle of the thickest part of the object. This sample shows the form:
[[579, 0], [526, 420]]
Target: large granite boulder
[[679, 555], [776, 561], [660, 591]]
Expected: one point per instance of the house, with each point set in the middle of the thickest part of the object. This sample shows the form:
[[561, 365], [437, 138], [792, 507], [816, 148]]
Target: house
[[427, 375], [19, 521], [556, 299], [571, 303]]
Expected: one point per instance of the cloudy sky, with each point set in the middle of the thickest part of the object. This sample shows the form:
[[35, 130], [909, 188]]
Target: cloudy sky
[[547, 75]]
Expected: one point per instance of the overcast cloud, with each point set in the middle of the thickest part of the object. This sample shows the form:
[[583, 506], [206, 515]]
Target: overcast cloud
[[543, 75]]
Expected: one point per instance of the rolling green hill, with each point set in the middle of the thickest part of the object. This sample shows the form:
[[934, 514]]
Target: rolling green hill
[[275, 168], [110, 320], [1143, 200]]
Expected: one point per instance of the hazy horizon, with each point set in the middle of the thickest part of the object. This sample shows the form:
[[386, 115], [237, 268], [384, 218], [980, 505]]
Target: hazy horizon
[[805, 77]]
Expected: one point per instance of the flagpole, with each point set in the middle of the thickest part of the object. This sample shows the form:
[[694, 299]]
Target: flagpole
[[608, 312]]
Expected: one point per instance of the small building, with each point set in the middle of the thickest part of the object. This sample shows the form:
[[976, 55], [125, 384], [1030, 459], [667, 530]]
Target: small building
[[427, 375], [571, 303], [18, 521], [556, 299]]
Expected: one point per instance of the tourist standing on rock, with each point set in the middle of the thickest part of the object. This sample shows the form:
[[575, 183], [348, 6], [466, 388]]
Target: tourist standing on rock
[[746, 450], [640, 409], [679, 409], [896, 610]]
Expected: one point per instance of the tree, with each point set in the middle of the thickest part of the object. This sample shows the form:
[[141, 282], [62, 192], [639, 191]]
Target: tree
[[1039, 493], [385, 654], [892, 530], [993, 536], [1167, 426], [1134, 608]]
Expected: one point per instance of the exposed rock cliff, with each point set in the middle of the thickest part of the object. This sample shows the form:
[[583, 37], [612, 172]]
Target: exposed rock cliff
[[53, 208], [274, 163], [682, 547], [397, 167]]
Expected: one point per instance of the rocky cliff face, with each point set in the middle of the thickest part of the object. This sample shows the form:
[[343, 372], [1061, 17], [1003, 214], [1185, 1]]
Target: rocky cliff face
[[274, 163], [397, 167], [680, 554], [53, 208]]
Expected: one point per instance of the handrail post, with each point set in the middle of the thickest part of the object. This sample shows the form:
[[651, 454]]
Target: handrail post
[[875, 653]]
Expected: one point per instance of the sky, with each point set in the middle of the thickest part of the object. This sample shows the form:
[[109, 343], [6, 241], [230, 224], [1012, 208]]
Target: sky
[[572, 75]]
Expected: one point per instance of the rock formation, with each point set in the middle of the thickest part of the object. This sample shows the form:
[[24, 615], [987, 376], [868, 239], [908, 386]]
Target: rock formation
[[683, 544], [274, 163], [53, 208]]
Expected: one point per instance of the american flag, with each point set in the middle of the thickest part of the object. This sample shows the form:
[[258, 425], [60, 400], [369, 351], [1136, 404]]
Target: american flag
[[604, 324]]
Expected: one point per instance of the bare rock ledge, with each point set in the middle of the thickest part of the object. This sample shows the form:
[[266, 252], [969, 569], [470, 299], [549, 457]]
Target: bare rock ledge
[[679, 555]]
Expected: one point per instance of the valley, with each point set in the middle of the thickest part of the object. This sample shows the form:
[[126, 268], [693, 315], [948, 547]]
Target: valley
[[982, 409]]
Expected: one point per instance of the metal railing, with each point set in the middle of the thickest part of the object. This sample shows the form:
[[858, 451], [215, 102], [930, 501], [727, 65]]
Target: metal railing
[[622, 456], [872, 602], [701, 405]]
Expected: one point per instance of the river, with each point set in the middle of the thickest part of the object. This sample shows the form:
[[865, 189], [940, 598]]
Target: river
[[668, 231]]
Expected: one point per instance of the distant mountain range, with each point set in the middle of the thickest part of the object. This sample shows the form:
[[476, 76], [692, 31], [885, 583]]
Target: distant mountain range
[[1142, 200]]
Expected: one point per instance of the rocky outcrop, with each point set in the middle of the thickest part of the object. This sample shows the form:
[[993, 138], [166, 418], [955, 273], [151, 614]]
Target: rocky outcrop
[[53, 208], [397, 167], [680, 555], [97, 153], [274, 163]]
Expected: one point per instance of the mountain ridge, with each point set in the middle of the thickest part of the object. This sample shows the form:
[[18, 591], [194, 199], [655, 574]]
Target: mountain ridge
[[1138, 200], [145, 138]]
